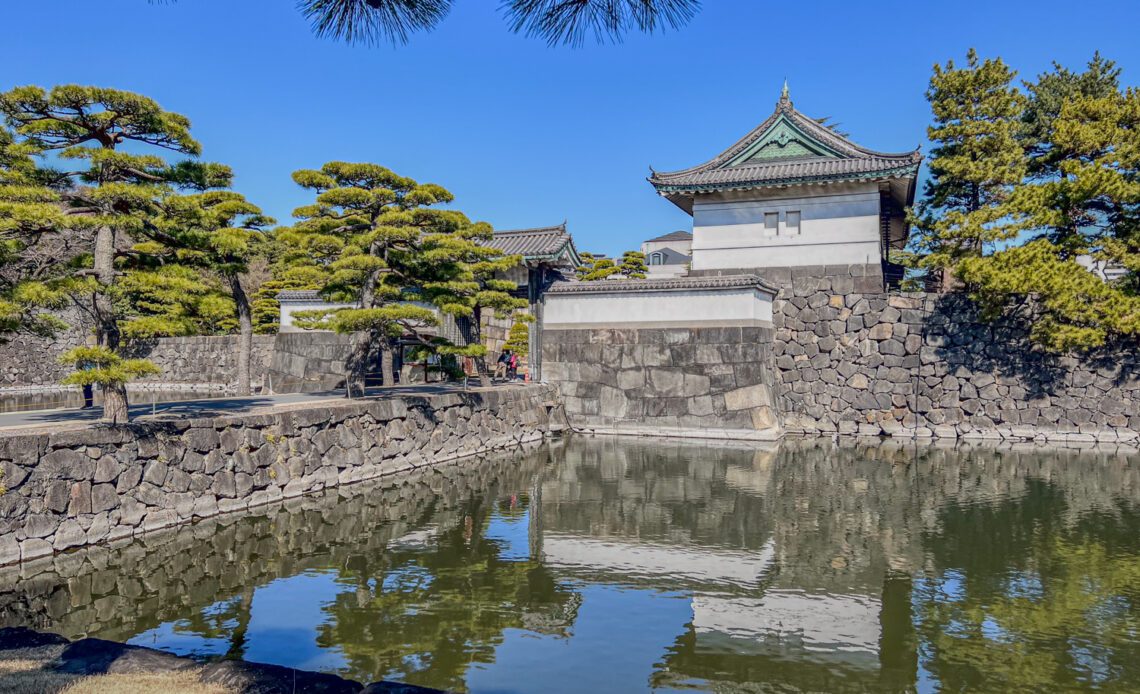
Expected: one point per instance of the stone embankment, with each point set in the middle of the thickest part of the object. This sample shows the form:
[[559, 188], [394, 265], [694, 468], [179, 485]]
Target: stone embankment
[[91, 485], [927, 365], [664, 381]]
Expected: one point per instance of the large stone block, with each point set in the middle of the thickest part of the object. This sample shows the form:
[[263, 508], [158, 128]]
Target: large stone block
[[749, 397]]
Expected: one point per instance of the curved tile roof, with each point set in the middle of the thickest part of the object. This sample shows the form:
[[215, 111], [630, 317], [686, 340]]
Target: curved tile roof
[[660, 285], [819, 154], [539, 243]]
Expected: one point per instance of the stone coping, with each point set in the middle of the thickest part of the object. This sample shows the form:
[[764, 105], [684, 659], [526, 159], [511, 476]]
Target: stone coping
[[669, 284]]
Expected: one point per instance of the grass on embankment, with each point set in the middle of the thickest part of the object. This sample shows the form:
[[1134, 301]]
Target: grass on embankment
[[26, 670]]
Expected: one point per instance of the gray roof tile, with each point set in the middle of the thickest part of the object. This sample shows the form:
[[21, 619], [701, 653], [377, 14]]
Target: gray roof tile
[[849, 161], [539, 243], [664, 284]]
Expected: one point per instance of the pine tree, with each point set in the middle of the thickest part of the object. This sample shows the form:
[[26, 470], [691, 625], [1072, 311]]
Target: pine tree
[[30, 250], [976, 161], [1083, 199], [381, 244], [593, 268], [518, 339], [220, 234], [113, 200], [633, 265]]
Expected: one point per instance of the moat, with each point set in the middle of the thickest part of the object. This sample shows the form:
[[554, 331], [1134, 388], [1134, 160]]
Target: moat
[[620, 565]]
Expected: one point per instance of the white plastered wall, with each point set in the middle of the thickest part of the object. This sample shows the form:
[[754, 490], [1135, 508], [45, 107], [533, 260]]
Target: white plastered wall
[[684, 308], [839, 225]]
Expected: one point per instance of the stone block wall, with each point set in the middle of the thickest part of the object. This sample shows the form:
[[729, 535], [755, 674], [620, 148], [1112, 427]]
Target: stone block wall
[[860, 277], [28, 361], [136, 585], [202, 360], [927, 365], [91, 485], [309, 361], [663, 378]]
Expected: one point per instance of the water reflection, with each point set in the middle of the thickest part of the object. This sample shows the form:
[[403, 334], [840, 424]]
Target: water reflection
[[616, 565]]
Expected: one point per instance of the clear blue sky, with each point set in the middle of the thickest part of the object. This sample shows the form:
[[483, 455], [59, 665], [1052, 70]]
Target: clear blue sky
[[524, 134]]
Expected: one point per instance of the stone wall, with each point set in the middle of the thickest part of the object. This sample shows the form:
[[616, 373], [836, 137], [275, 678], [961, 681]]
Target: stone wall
[[136, 585], [27, 361], [200, 360], [927, 365], [860, 277], [688, 379], [309, 361], [91, 485]]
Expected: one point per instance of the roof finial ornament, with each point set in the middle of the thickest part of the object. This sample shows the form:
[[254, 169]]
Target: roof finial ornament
[[785, 101]]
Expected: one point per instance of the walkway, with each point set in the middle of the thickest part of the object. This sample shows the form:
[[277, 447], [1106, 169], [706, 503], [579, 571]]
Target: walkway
[[207, 407]]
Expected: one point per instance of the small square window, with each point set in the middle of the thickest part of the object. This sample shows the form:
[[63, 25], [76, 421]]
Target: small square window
[[793, 222], [771, 223]]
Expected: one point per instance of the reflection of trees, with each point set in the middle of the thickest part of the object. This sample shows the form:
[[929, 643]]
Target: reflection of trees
[[227, 620], [423, 615], [1018, 600]]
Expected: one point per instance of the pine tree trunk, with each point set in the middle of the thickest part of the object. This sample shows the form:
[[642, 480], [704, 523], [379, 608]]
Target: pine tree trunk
[[358, 364], [115, 404], [245, 334], [106, 327], [480, 360], [387, 360]]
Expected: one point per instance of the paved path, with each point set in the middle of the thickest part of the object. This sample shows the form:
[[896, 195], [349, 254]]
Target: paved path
[[206, 407]]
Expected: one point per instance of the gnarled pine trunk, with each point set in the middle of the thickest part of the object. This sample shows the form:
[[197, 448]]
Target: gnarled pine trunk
[[106, 327], [245, 334], [480, 361], [387, 360], [115, 404]]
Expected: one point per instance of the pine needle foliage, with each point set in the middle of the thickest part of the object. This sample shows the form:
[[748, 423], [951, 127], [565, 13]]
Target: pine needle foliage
[[632, 266], [99, 366], [1030, 183], [518, 339], [382, 242], [117, 193], [568, 22], [975, 164]]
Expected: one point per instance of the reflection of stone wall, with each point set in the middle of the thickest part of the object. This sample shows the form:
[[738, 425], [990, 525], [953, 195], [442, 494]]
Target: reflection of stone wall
[[696, 378], [91, 485], [135, 585], [927, 364]]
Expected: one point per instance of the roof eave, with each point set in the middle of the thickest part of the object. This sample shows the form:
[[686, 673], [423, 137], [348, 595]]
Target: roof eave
[[674, 189]]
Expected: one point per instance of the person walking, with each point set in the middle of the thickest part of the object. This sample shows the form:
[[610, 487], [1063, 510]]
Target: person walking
[[513, 367], [503, 364]]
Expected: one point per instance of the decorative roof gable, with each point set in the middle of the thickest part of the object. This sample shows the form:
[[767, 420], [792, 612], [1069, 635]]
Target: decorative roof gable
[[788, 148]]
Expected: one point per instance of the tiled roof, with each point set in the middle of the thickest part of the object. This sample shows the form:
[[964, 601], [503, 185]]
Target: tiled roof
[[289, 295], [540, 243], [661, 285], [819, 154], [673, 236]]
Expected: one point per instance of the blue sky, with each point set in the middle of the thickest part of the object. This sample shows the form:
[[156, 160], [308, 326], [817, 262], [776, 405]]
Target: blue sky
[[524, 134]]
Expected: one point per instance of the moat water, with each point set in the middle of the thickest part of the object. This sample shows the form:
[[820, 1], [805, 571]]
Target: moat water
[[609, 565]]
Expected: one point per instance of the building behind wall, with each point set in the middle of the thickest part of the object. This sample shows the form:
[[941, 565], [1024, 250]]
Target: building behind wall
[[668, 255], [795, 197]]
